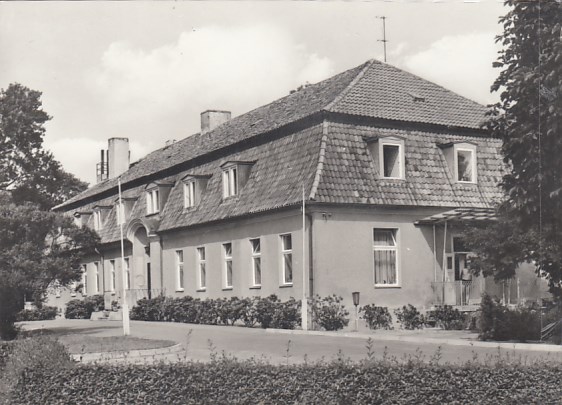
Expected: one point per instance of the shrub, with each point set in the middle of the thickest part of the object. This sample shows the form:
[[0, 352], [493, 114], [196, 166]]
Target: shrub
[[409, 317], [376, 317], [286, 315], [265, 310], [329, 313], [44, 313], [82, 309], [448, 318], [250, 316], [497, 322]]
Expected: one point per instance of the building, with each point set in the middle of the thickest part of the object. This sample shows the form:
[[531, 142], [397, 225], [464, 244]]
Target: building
[[390, 168]]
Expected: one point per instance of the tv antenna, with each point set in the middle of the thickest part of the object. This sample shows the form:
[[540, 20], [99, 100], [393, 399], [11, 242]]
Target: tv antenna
[[383, 40]]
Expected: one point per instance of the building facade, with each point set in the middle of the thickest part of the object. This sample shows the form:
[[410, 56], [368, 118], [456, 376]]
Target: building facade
[[362, 182]]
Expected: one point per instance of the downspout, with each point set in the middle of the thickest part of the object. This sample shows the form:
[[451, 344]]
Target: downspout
[[444, 261], [434, 256], [310, 256]]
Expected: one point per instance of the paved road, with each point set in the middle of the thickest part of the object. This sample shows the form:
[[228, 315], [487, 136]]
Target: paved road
[[244, 343]]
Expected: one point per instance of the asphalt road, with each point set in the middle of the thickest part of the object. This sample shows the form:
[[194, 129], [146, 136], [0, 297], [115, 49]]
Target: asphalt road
[[201, 341]]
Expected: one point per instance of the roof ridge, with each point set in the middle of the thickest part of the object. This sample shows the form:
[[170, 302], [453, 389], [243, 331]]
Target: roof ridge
[[321, 159], [351, 84]]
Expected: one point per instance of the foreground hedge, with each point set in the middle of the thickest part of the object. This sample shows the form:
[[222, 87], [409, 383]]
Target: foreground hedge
[[230, 381]]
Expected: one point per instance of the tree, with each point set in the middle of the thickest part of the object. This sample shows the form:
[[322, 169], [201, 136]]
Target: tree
[[528, 119], [37, 250], [28, 171]]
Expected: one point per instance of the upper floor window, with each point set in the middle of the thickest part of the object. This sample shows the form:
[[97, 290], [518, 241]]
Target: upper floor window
[[388, 156], [287, 259], [189, 194], [98, 223], [465, 165], [385, 250], [152, 201], [462, 160], [229, 182]]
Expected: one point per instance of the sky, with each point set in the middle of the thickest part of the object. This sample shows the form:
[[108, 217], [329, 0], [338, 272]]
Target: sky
[[146, 70]]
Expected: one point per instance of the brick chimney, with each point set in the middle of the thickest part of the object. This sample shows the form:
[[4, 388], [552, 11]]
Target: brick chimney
[[117, 156], [211, 119]]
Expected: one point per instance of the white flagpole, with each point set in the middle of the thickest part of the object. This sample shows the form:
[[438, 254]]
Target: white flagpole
[[304, 306], [124, 305]]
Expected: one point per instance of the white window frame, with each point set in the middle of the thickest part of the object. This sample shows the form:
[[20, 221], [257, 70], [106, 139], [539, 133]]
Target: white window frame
[[201, 268], [228, 259], [179, 270], [152, 201], [230, 181], [286, 252], [112, 276], [97, 275], [84, 280], [127, 271], [394, 248], [392, 142], [256, 257], [472, 152], [189, 194]]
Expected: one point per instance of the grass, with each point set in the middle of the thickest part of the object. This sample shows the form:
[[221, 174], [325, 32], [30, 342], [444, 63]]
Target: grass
[[76, 344]]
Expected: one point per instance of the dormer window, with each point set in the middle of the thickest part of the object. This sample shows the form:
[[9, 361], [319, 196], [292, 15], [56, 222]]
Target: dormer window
[[152, 201], [461, 159], [97, 220], [123, 208], [234, 177], [388, 156], [100, 213], [193, 188]]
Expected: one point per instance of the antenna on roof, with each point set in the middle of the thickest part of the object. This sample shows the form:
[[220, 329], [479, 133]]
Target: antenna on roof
[[383, 40]]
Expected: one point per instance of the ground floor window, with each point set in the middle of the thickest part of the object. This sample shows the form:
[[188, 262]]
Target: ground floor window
[[227, 250], [202, 263], [385, 250], [179, 270], [112, 275], [127, 271], [287, 258], [97, 277], [256, 262]]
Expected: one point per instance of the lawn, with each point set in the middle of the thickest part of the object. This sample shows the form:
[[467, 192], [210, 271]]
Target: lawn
[[78, 343]]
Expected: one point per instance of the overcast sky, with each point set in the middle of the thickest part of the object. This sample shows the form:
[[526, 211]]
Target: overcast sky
[[145, 70]]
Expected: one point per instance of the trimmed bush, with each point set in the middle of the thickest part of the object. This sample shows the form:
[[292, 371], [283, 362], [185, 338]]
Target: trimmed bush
[[82, 309], [44, 313], [329, 313], [448, 318], [409, 317], [268, 312], [497, 322], [249, 382], [376, 317]]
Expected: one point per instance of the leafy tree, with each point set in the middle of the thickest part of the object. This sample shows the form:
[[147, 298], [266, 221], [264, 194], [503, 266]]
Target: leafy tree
[[26, 169], [37, 249], [528, 119]]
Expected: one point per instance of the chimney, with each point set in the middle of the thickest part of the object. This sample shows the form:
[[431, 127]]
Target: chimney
[[211, 119], [117, 156]]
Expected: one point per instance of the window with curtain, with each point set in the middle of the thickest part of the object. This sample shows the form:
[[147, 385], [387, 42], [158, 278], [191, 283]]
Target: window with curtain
[[385, 250]]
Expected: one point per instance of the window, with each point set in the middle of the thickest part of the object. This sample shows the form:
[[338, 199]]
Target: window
[[127, 270], [256, 262], [385, 250], [85, 280], [465, 165], [229, 182], [227, 249], [97, 220], [97, 277], [152, 203], [392, 166], [202, 268], [112, 275], [179, 270], [73, 287], [189, 194], [120, 213], [287, 258]]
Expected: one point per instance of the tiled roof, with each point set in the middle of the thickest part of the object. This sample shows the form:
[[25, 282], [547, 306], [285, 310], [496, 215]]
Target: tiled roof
[[349, 174], [373, 89]]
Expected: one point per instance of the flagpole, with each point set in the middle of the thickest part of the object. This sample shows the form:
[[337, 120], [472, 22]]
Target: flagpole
[[304, 305], [124, 305]]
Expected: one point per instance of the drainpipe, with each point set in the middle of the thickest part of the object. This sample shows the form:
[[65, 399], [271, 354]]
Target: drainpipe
[[310, 255], [444, 260]]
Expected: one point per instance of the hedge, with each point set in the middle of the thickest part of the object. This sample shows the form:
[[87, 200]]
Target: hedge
[[82, 309], [45, 313], [268, 312], [338, 382]]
